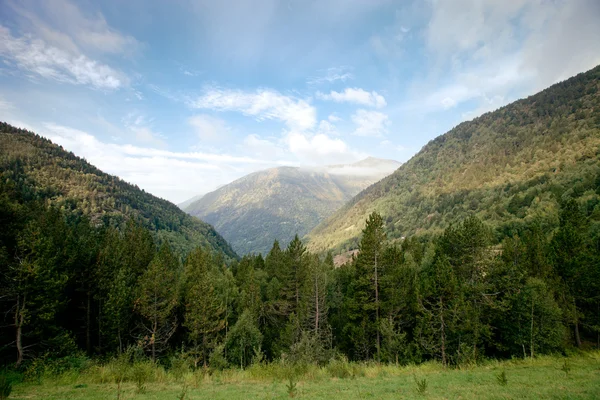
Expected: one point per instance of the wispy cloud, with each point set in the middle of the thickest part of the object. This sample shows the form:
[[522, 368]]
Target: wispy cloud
[[37, 58], [62, 24], [261, 104], [370, 123], [356, 96], [495, 51], [5, 104], [209, 128], [331, 75]]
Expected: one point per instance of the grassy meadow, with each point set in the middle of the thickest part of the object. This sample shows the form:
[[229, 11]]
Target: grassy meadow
[[574, 377]]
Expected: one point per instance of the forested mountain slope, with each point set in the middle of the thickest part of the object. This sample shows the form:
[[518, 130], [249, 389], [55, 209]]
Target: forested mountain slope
[[507, 167], [45, 171], [279, 203]]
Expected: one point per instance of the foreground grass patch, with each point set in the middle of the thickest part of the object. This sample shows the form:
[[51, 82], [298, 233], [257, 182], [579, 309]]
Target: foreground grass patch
[[543, 377]]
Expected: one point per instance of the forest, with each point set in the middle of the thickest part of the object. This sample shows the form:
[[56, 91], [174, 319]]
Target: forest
[[72, 291]]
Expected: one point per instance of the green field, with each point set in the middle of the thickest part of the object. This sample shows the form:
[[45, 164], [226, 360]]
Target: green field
[[576, 377]]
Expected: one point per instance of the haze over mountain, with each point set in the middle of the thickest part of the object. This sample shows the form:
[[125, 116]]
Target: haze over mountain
[[279, 203], [508, 167], [42, 170]]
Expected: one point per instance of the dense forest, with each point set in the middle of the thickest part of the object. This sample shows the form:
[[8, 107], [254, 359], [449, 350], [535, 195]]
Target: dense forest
[[509, 167], [92, 267], [43, 171], [72, 290]]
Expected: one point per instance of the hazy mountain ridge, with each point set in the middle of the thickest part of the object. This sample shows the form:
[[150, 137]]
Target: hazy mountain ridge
[[511, 164], [45, 171], [278, 203]]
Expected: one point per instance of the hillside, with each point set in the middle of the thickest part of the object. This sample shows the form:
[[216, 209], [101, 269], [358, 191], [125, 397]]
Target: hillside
[[44, 170], [507, 167], [279, 203]]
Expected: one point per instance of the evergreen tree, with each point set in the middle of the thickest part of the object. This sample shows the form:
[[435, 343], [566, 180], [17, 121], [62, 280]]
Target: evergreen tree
[[441, 306], [570, 251], [364, 302], [204, 311], [38, 279], [157, 300]]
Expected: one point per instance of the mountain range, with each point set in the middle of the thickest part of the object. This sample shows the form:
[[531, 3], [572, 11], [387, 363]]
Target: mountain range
[[279, 203], [509, 167]]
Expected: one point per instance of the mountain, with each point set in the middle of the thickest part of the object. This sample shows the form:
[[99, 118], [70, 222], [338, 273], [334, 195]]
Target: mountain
[[279, 203], [189, 201], [43, 170], [508, 166]]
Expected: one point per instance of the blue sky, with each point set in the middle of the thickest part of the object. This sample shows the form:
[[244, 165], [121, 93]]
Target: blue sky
[[182, 96]]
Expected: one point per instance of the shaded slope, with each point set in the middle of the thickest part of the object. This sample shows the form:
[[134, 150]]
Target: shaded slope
[[44, 170]]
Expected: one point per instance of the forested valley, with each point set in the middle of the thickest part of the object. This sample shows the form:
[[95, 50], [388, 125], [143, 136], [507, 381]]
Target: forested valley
[[71, 291], [101, 280]]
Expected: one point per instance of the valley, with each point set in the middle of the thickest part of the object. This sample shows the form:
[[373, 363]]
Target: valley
[[279, 203]]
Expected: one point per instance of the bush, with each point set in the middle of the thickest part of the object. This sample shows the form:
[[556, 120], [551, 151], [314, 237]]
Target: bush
[[48, 365], [180, 365], [217, 360], [339, 368], [142, 372], [5, 386]]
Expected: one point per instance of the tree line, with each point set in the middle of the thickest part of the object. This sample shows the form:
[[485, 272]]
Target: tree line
[[69, 287]]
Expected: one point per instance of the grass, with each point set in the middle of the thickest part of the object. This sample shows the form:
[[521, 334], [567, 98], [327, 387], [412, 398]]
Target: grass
[[542, 377]]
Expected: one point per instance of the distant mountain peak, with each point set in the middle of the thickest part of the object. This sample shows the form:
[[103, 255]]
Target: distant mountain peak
[[278, 203]]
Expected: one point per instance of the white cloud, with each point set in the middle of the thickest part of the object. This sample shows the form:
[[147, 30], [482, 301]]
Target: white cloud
[[34, 56], [320, 148], [327, 128], [62, 24], [147, 136], [356, 96], [209, 128], [263, 148], [370, 123], [333, 118], [176, 176], [262, 104], [496, 51], [566, 42], [331, 75]]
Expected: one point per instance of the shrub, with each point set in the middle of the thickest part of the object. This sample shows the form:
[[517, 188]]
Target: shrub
[[217, 360], [5, 386], [339, 368], [141, 372]]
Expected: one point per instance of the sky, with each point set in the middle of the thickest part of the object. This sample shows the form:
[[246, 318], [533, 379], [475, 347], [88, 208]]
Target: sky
[[180, 97]]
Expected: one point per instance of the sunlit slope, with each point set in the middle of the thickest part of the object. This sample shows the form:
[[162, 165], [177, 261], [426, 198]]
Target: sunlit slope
[[508, 165]]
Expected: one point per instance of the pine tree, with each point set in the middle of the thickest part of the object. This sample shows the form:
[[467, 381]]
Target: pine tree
[[204, 311], [364, 301], [570, 251], [157, 300], [297, 269], [440, 308], [38, 279]]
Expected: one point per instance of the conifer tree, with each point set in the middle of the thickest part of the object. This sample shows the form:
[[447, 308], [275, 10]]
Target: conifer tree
[[157, 300], [364, 301], [204, 311], [571, 260]]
